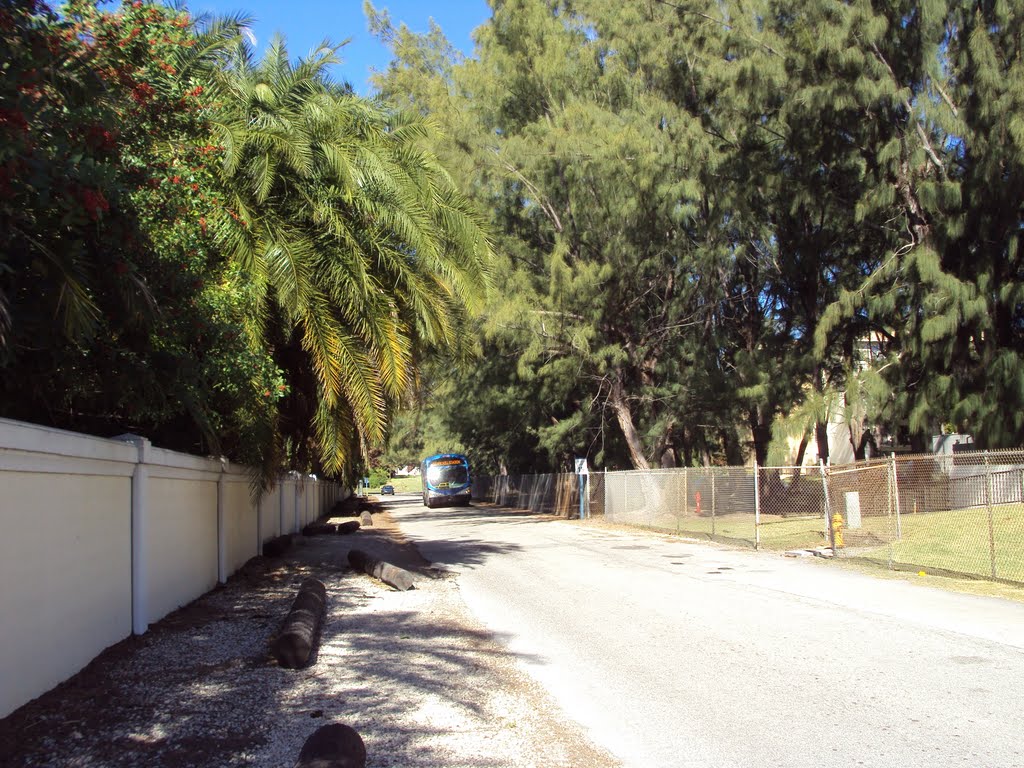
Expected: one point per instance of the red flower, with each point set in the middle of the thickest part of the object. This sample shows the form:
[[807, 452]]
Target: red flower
[[176, 179], [94, 202], [202, 224], [13, 118], [266, 393], [142, 92]]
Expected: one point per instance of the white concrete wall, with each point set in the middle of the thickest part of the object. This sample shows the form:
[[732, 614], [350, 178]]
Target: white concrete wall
[[240, 520], [65, 555], [181, 542], [100, 538]]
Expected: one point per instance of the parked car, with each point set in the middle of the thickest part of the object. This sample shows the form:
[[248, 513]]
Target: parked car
[[387, 490]]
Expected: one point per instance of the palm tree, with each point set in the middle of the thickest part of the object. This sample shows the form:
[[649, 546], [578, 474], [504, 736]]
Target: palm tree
[[351, 240]]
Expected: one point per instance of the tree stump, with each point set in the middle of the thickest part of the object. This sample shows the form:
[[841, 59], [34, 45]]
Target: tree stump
[[333, 746], [301, 629], [277, 546], [392, 575]]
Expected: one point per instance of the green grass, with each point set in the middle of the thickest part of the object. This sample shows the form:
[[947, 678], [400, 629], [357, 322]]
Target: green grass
[[952, 542], [958, 541], [777, 532], [404, 485]]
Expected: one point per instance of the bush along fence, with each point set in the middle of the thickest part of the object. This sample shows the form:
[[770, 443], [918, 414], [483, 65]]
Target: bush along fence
[[960, 513]]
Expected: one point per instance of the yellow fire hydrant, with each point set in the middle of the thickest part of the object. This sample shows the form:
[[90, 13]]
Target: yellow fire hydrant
[[837, 530]]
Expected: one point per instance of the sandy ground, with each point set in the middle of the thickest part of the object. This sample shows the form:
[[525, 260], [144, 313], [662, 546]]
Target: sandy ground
[[422, 683]]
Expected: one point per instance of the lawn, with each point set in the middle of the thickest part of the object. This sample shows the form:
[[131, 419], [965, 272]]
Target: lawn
[[406, 484], [777, 532], [958, 541], [955, 541]]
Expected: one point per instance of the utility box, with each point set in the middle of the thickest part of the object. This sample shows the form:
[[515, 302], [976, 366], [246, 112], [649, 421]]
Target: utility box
[[852, 509]]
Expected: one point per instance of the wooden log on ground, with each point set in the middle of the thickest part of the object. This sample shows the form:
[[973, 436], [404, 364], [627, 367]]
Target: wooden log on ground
[[344, 529], [333, 746], [392, 575], [366, 519], [277, 546], [294, 644], [317, 529]]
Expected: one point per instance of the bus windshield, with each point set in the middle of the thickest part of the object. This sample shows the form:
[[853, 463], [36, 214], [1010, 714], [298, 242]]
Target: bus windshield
[[453, 474]]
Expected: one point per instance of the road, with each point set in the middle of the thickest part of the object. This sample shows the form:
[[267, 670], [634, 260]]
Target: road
[[671, 653]]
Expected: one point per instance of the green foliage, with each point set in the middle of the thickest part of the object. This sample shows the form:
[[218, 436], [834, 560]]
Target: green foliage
[[356, 245], [227, 256], [703, 209], [112, 215]]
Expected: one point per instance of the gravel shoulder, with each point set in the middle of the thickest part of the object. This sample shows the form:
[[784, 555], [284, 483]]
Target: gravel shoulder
[[412, 672]]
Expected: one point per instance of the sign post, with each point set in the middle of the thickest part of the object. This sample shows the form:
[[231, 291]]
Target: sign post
[[582, 472]]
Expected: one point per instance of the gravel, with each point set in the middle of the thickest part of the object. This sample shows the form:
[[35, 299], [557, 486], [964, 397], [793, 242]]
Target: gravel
[[422, 683]]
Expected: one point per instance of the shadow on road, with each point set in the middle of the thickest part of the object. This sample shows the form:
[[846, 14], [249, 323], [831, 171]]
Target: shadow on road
[[462, 551]]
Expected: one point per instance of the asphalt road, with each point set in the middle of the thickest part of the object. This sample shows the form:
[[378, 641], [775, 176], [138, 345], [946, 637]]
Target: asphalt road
[[671, 653]]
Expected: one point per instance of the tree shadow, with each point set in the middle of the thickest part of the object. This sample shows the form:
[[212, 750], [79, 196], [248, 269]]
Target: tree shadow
[[201, 688]]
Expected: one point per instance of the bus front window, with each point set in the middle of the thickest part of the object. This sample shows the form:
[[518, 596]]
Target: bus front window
[[451, 474]]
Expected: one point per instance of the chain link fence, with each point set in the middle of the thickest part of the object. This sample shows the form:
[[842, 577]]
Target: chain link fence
[[959, 513], [542, 494]]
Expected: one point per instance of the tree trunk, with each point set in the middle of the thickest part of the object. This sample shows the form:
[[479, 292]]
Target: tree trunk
[[821, 439], [800, 452], [761, 435], [821, 423], [624, 416]]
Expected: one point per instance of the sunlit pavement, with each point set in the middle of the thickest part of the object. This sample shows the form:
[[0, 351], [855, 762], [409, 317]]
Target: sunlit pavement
[[672, 653]]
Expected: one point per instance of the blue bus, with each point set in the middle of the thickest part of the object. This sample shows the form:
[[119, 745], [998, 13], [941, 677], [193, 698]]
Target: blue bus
[[446, 480]]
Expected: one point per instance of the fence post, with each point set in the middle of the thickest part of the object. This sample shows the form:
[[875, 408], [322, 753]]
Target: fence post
[[988, 507], [896, 498], [829, 532], [686, 500], [757, 507], [713, 473]]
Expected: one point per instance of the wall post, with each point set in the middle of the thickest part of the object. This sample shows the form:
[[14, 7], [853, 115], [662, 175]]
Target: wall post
[[139, 517], [222, 544]]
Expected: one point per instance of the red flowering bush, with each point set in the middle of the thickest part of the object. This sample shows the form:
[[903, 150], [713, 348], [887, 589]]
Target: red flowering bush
[[114, 311]]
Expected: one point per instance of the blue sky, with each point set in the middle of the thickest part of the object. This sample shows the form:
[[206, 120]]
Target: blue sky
[[305, 23]]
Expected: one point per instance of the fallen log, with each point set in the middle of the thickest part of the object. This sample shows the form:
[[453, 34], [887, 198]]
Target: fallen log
[[391, 575], [333, 746], [344, 529], [301, 629], [316, 529], [277, 546]]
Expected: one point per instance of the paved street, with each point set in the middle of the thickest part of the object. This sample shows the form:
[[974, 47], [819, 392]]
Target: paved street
[[677, 654]]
